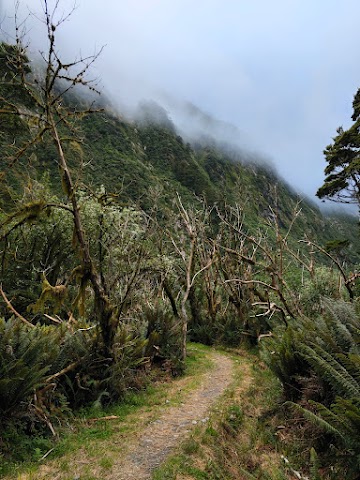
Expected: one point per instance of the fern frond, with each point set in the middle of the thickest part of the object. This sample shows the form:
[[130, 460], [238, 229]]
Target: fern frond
[[336, 419], [352, 363], [343, 312], [331, 369], [314, 465], [316, 419], [350, 409]]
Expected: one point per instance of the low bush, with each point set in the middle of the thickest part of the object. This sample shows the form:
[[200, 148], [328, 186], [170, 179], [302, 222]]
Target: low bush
[[320, 362]]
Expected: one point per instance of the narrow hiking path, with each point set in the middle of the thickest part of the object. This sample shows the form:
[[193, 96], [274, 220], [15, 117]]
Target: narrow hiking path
[[162, 436], [133, 453]]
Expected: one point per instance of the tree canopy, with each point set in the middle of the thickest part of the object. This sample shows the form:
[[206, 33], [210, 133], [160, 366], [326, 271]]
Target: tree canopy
[[342, 181]]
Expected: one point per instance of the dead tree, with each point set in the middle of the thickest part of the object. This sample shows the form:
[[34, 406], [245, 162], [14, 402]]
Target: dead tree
[[260, 266], [185, 244]]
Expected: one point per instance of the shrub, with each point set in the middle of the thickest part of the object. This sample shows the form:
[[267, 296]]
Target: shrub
[[164, 339], [324, 283], [324, 354], [25, 358]]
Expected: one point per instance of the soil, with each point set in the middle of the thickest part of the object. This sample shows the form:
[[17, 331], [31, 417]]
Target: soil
[[135, 454], [161, 437]]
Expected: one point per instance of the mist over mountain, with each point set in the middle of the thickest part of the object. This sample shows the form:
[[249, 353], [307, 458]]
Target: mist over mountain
[[199, 128], [277, 72], [138, 220]]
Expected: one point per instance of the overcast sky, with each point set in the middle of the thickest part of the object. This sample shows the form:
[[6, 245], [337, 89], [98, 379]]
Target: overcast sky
[[283, 71]]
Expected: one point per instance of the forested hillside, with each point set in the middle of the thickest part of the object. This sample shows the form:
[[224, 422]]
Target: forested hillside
[[120, 241]]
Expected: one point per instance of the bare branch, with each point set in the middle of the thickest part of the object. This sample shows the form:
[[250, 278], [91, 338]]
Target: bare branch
[[336, 262], [65, 370], [12, 309]]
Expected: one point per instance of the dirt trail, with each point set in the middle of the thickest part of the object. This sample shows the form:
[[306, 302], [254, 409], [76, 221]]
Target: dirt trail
[[135, 456], [162, 436]]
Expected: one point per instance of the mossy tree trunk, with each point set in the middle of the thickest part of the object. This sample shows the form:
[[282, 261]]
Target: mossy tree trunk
[[47, 117]]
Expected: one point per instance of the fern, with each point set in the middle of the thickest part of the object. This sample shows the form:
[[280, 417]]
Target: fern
[[24, 358], [342, 312], [29, 356], [348, 410], [129, 355], [71, 347], [316, 419], [336, 418], [352, 363], [332, 351], [314, 465], [331, 369], [281, 354]]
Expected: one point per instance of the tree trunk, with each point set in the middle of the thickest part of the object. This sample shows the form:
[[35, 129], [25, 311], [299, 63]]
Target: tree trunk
[[104, 311]]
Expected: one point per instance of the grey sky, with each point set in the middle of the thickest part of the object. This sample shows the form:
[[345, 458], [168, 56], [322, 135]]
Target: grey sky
[[283, 71]]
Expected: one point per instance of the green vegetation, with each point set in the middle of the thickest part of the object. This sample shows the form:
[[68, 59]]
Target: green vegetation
[[317, 363], [240, 438], [119, 242], [23, 453], [342, 182]]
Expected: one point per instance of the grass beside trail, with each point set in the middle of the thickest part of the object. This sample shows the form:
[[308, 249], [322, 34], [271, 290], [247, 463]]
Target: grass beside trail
[[240, 439], [82, 430]]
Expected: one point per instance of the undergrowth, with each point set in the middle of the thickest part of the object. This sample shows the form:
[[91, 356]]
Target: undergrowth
[[240, 439], [86, 427]]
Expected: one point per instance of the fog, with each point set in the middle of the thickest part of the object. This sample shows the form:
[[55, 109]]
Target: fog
[[278, 76]]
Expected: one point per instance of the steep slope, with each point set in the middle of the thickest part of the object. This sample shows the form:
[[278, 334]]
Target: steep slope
[[135, 159]]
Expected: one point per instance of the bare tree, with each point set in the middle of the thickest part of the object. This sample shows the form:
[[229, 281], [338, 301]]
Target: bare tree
[[186, 246], [255, 267], [46, 116]]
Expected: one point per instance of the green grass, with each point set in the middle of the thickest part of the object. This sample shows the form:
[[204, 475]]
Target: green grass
[[239, 441], [80, 432]]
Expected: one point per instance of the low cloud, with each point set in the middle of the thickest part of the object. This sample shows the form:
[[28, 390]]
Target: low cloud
[[283, 73]]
